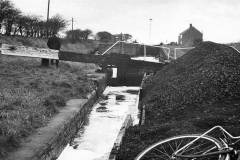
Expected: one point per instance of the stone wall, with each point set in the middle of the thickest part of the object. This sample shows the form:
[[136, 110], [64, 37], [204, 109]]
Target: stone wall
[[117, 144]]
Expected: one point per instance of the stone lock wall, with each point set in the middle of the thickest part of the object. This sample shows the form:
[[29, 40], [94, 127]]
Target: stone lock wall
[[48, 142]]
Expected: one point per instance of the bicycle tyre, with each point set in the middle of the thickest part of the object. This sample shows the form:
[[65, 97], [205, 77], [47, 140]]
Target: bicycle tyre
[[164, 150]]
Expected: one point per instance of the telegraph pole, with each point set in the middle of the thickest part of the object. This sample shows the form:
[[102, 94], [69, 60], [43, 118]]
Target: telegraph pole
[[72, 23], [122, 39], [45, 62], [48, 16], [48, 10], [150, 29]]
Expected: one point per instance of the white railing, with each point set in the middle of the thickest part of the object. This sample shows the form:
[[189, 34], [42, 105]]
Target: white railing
[[235, 49], [175, 50], [111, 47]]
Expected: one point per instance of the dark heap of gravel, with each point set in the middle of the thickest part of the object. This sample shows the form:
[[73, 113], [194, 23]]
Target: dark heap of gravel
[[197, 91]]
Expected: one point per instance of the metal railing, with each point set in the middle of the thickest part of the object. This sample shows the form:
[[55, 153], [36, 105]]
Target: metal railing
[[167, 53], [235, 49], [175, 50]]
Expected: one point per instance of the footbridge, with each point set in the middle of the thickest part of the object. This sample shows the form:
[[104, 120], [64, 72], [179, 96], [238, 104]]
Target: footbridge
[[129, 70]]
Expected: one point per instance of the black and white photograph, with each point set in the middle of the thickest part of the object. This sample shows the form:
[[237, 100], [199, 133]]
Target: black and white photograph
[[120, 80]]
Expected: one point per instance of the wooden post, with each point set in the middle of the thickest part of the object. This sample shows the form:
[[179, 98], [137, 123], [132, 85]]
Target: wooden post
[[145, 52], [122, 49]]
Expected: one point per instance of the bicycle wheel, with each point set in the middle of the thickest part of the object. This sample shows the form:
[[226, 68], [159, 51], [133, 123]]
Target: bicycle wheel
[[163, 150]]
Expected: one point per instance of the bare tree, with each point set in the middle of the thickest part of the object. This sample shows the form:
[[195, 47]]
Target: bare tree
[[8, 15], [55, 24], [78, 34], [73, 35], [86, 33], [15, 23], [10, 20], [104, 36], [5, 6]]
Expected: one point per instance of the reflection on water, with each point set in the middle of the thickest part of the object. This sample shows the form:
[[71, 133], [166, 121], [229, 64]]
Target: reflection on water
[[149, 59], [95, 140]]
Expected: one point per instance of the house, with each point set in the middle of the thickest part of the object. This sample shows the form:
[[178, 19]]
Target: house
[[190, 37]]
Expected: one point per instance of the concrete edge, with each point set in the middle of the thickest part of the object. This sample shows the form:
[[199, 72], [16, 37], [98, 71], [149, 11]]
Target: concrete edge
[[127, 123], [116, 147], [141, 106], [143, 115]]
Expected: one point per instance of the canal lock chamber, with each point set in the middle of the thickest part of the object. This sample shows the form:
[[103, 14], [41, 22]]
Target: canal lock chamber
[[100, 136], [121, 76]]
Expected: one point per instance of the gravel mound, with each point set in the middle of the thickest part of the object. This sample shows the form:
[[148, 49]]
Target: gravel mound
[[197, 91]]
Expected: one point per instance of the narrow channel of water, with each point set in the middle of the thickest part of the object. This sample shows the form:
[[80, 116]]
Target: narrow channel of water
[[95, 140], [148, 58]]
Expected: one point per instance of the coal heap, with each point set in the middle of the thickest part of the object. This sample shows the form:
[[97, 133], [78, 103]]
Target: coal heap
[[197, 91], [206, 76]]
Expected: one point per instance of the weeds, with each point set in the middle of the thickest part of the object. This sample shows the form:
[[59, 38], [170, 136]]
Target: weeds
[[31, 95]]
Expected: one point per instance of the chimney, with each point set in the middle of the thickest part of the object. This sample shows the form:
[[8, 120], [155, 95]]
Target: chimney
[[191, 25]]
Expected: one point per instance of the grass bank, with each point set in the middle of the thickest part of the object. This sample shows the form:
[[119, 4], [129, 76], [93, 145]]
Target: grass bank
[[31, 95], [84, 46], [197, 91]]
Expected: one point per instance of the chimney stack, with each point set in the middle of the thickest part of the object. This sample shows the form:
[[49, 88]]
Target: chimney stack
[[191, 25]]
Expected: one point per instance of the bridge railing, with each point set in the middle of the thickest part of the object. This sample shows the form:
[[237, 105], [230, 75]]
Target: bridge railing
[[165, 50], [233, 47], [182, 53], [105, 52]]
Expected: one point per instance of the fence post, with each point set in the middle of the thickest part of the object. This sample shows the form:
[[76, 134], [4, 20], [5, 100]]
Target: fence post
[[145, 51]]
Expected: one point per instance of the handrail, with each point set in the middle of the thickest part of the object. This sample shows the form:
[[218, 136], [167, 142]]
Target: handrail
[[175, 50], [215, 127], [167, 54], [235, 49], [110, 47]]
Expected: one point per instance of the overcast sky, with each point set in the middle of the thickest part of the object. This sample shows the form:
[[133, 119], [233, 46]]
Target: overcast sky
[[219, 20]]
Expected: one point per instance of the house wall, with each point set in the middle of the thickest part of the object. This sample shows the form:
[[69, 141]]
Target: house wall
[[189, 37]]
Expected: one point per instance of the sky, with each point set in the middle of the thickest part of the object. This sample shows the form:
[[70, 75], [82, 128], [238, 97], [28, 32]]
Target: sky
[[218, 20]]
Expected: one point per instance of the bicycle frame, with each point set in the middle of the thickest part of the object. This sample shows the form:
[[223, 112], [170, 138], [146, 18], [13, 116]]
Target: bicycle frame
[[204, 134], [205, 155]]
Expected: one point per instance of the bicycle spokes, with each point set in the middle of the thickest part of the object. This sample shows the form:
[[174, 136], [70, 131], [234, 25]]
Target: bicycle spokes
[[164, 150]]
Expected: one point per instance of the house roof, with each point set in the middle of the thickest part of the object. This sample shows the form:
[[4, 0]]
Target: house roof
[[190, 28]]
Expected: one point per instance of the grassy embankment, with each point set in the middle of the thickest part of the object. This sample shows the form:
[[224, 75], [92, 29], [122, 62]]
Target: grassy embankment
[[30, 95], [197, 91], [86, 47]]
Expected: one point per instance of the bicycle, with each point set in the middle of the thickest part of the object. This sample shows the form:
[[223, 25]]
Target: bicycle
[[221, 146]]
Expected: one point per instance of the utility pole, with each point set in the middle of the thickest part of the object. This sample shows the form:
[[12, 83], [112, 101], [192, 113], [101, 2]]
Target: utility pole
[[122, 39], [48, 10], [72, 23], [72, 29], [144, 51], [48, 16], [150, 29], [44, 61]]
